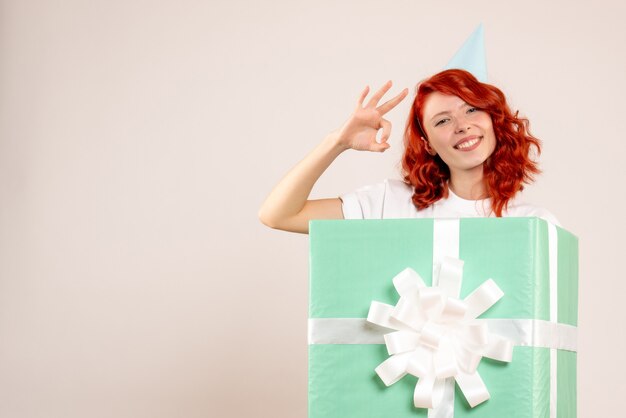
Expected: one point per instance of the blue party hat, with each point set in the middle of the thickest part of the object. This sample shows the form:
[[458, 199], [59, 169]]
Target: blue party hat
[[471, 56]]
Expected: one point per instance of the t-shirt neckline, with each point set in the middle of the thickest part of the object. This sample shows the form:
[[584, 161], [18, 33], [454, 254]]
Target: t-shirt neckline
[[469, 206]]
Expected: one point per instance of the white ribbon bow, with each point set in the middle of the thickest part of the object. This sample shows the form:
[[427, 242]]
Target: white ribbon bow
[[437, 335]]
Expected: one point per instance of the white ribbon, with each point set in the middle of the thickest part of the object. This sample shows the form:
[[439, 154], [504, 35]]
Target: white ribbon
[[554, 311], [437, 335], [521, 332]]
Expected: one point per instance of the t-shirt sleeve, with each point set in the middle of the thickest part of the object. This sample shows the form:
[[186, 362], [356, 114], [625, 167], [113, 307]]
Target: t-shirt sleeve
[[545, 214], [364, 203]]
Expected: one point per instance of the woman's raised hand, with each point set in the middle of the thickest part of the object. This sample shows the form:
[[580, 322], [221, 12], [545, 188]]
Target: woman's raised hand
[[288, 206], [359, 131]]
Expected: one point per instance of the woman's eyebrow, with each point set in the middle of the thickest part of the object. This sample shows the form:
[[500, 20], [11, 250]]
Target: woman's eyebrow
[[445, 112]]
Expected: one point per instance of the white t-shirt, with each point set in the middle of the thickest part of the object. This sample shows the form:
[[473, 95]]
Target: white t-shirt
[[392, 199]]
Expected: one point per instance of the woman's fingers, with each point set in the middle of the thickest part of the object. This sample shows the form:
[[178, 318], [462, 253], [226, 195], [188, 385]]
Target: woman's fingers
[[376, 147], [363, 96], [382, 145], [368, 119], [390, 104], [379, 94], [386, 126]]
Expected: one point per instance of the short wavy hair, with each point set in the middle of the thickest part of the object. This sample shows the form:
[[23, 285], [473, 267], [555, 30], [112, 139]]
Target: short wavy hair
[[509, 167]]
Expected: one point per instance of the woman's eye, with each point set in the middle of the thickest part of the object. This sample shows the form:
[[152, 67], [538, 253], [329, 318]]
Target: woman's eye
[[472, 110], [441, 121]]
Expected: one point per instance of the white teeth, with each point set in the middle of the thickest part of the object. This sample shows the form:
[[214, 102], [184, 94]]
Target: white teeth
[[468, 143]]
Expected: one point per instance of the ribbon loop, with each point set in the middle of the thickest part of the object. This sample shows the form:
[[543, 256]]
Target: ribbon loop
[[431, 301], [380, 314], [477, 334], [445, 361], [428, 392], [401, 341], [453, 310], [420, 362], [393, 369], [483, 298], [499, 348], [407, 282], [473, 388], [407, 312]]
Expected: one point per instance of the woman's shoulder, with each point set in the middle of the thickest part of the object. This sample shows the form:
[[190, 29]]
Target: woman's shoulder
[[398, 188], [388, 198], [386, 187]]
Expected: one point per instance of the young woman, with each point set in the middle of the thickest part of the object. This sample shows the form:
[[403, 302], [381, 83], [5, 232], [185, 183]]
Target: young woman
[[466, 155]]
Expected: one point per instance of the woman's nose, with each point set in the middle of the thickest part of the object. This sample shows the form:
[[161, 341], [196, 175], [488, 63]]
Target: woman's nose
[[462, 124], [462, 127]]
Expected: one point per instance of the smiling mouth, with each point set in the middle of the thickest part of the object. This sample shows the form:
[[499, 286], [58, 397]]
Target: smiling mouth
[[469, 144]]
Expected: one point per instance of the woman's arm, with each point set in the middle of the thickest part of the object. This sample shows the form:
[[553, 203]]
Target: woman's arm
[[287, 207]]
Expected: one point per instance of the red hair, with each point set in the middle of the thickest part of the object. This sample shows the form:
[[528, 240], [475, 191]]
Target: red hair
[[505, 171]]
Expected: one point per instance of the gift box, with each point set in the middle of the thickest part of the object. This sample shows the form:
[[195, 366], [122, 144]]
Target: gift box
[[533, 263]]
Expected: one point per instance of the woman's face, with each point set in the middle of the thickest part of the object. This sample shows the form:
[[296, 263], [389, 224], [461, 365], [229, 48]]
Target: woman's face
[[461, 134]]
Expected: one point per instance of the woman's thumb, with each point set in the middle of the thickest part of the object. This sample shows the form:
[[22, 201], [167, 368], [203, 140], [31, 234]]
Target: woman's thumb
[[379, 146]]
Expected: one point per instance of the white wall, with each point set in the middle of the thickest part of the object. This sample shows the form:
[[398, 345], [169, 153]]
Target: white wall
[[138, 139]]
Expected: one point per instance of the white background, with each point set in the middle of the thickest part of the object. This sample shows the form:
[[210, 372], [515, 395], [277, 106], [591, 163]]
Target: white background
[[138, 139]]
